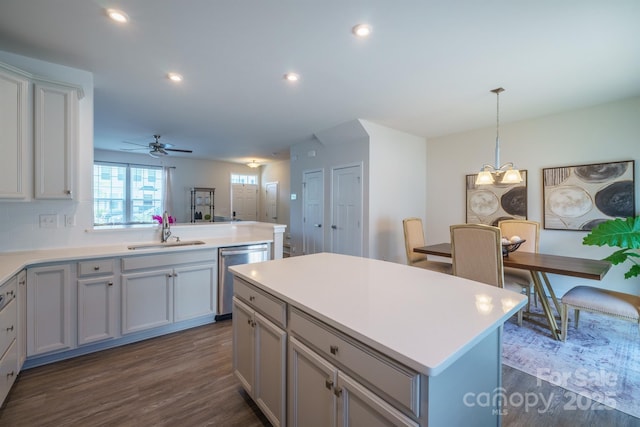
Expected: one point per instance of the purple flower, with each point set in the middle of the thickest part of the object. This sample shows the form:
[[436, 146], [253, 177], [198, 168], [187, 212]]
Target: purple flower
[[159, 219]]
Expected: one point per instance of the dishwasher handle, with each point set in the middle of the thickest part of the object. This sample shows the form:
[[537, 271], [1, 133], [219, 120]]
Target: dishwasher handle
[[225, 252]]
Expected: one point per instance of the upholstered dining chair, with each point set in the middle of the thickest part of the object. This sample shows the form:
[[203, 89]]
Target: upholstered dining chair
[[413, 238], [476, 250], [530, 231]]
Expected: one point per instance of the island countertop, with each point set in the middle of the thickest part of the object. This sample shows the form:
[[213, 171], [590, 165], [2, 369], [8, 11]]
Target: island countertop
[[423, 319]]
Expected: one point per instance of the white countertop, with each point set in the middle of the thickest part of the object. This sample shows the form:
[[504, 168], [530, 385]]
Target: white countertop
[[13, 262], [423, 319]]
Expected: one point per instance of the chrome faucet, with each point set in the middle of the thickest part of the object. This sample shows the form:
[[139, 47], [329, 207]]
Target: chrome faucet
[[166, 228]]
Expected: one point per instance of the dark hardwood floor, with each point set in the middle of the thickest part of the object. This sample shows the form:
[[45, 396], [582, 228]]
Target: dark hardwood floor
[[185, 379]]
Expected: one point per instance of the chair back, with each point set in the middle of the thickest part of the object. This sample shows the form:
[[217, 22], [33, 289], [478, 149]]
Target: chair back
[[528, 230], [476, 252], [413, 238]]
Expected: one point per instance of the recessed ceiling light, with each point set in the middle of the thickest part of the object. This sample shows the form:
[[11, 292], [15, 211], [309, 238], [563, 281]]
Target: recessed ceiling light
[[292, 77], [361, 30], [117, 15], [175, 77]]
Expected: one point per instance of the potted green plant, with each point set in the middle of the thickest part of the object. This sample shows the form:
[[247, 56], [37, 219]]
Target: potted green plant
[[619, 233]]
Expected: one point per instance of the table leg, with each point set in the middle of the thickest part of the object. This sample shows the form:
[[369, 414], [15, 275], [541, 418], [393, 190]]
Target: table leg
[[539, 287], [551, 292]]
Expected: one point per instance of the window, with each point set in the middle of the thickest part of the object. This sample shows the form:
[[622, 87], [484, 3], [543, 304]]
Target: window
[[126, 194], [244, 179]]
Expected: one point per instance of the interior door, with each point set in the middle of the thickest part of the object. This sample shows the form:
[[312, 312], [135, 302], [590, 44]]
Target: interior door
[[313, 212], [244, 202], [346, 216], [271, 200]]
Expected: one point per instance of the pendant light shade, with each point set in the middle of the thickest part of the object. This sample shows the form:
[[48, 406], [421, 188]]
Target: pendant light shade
[[506, 173]]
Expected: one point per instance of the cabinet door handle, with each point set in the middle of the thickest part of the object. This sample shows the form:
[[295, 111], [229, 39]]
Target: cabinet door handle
[[96, 268], [10, 374], [175, 274], [169, 275], [337, 391], [333, 349], [10, 328], [335, 227], [109, 283], [22, 282], [317, 225], [252, 298], [67, 192], [328, 383]]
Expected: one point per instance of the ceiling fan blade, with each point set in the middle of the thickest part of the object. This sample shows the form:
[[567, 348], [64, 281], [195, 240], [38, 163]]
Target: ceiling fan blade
[[179, 150], [135, 143], [135, 149]]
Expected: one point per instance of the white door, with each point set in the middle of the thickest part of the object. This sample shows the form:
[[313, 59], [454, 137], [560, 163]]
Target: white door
[[271, 200], [313, 212], [346, 216], [244, 202]]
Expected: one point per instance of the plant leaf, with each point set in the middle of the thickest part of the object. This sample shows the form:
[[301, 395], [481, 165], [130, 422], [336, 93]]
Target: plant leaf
[[617, 233], [634, 271], [619, 256]]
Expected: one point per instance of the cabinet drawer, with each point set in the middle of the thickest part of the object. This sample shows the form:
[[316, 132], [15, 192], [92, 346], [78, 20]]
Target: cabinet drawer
[[269, 306], [8, 370], [8, 326], [98, 266], [399, 383]]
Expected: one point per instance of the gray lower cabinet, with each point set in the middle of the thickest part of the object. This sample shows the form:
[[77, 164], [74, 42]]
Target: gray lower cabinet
[[98, 307], [9, 365], [160, 289], [322, 393], [50, 303], [259, 349]]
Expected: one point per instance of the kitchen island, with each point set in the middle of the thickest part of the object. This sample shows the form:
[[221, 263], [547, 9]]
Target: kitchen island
[[350, 338]]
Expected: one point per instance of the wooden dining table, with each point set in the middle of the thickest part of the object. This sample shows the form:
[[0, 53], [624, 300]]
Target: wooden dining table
[[539, 265]]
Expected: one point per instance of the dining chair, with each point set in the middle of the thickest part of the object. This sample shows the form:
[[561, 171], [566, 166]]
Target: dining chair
[[413, 238], [476, 251], [530, 231]]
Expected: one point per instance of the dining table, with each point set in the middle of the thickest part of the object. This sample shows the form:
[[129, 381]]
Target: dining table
[[539, 264]]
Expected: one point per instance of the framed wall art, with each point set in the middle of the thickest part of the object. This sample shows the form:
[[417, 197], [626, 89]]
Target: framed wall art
[[581, 197], [488, 204]]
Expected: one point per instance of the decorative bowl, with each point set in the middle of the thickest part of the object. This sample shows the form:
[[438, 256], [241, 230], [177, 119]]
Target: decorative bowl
[[511, 247]]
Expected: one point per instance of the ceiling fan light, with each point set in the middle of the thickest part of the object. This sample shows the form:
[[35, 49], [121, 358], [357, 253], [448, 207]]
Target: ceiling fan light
[[253, 164], [175, 77]]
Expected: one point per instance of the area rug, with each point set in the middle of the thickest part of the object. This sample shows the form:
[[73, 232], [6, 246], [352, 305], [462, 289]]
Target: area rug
[[600, 360]]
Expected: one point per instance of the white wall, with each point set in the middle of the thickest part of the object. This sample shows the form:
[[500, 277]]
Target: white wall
[[398, 188], [602, 133]]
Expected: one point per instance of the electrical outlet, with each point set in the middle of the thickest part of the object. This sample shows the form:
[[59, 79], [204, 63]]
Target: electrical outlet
[[48, 221], [69, 220]]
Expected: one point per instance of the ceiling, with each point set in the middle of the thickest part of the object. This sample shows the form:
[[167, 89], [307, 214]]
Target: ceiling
[[427, 68]]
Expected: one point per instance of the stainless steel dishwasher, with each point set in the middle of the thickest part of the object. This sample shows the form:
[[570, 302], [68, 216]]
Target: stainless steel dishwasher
[[235, 255]]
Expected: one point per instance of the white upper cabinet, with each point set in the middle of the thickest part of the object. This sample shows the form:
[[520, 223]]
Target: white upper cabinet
[[13, 137], [55, 140]]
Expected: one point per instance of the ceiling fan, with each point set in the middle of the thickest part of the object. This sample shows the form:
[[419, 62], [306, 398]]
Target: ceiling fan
[[156, 148]]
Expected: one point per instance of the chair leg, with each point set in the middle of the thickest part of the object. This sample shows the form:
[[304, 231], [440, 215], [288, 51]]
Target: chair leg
[[565, 321], [520, 317], [577, 316]]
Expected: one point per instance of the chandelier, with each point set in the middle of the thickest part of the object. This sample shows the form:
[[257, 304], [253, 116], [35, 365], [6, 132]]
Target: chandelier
[[500, 174]]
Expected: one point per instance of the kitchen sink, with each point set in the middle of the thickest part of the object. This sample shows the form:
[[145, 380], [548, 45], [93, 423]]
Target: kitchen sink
[[166, 244]]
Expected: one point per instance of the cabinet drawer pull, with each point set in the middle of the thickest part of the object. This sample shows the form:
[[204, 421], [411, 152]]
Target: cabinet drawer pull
[[109, 283], [10, 328], [337, 391], [10, 374], [22, 282], [333, 349], [96, 267], [67, 192], [252, 298], [328, 383]]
